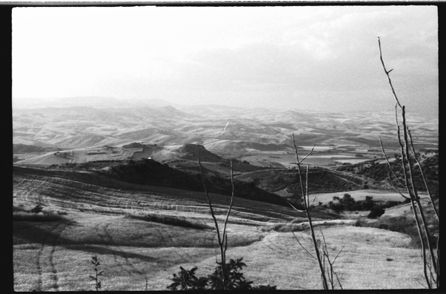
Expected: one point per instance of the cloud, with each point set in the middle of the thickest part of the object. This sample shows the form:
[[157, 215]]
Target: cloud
[[315, 57]]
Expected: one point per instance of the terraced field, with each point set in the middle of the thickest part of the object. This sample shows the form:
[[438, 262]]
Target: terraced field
[[96, 217]]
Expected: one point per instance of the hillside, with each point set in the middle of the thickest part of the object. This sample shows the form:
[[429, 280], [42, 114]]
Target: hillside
[[150, 172], [91, 191], [95, 217], [126, 188], [23, 148], [195, 151], [285, 181], [378, 171]]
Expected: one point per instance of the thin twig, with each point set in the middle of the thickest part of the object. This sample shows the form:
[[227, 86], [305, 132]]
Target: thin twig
[[209, 200], [229, 209], [339, 281], [330, 263], [211, 209], [387, 72], [303, 247], [391, 170], [339, 252], [309, 153], [306, 188]]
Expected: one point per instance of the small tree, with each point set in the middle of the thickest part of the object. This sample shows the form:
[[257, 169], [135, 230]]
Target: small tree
[[347, 201]]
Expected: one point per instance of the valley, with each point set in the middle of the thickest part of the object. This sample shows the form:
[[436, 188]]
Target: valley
[[124, 184]]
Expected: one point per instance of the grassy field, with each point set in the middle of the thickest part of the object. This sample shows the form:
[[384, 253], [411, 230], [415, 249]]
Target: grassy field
[[143, 234]]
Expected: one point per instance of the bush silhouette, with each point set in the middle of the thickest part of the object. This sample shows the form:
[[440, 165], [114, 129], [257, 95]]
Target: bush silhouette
[[376, 212], [235, 280]]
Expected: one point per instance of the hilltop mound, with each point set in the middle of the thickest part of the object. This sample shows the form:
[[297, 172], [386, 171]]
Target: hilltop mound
[[192, 151], [133, 145]]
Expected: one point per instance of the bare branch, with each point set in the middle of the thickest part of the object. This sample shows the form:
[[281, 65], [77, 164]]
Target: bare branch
[[409, 180], [310, 223], [306, 187], [422, 174], [414, 191], [387, 72], [309, 153], [211, 208], [303, 247], [391, 170], [221, 243], [230, 207], [339, 252], [292, 206], [339, 282]]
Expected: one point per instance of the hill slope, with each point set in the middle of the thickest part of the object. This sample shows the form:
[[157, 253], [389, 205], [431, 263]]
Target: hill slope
[[378, 171], [150, 172]]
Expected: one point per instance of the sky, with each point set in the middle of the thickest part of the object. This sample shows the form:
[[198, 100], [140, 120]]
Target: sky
[[322, 58]]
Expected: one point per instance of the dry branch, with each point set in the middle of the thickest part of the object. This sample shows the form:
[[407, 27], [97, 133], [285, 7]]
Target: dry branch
[[304, 194], [422, 174], [407, 165], [302, 246], [222, 236], [391, 170]]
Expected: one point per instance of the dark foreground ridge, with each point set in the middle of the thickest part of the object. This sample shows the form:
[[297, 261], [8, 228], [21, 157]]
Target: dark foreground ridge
[[151, 172]]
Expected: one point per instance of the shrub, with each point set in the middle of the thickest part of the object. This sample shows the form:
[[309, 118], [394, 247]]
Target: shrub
[[376, 212], [348, 202], [367, 204], [233, 276], [187, 280], [234, 279], [337, 207], [38, 208]]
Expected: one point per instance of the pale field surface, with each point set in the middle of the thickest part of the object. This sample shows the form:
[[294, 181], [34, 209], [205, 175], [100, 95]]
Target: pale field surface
[[55, 255], [131, 251], [406, 209], [363, 263]]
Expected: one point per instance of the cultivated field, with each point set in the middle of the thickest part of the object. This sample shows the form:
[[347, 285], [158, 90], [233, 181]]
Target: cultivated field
[[143, 234]]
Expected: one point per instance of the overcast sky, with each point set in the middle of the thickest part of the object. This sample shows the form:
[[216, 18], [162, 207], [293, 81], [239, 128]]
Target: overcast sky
[[318, 58]]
